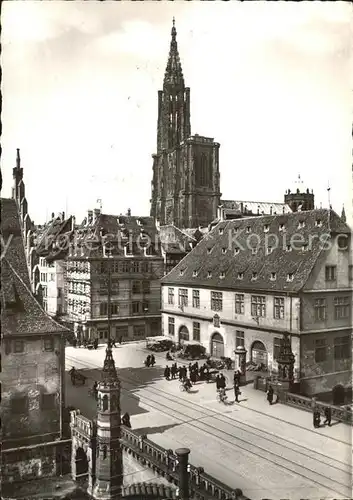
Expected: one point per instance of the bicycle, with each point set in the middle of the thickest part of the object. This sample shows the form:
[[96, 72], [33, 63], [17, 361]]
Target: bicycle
[[184, 388]]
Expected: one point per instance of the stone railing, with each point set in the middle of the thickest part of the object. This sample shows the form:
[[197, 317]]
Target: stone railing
[[165, 463], [341, 413]]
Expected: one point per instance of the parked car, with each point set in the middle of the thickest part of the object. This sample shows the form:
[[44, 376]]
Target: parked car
[[192, 350], [159, 344]]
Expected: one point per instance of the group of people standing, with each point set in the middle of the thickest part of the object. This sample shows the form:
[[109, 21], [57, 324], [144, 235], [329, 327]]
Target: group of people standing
[[150, 360], [317, 417], [194, 372]]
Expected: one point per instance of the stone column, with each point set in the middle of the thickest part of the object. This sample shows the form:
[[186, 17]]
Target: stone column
[[183, 459], [240, 363]]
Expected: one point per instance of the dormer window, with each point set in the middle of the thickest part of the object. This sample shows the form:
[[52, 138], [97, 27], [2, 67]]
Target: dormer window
[[221, 230], [290, 277], [273, 276], [209, 250], [282, 227], [248, 229], [318, 223], [266, 228], [304, 247], [254, 276], [236, 229], [209, 274], [222, 275], [301, 224], [288, 248], [236, 250], [254, 251], [269, 250], [224, 250], [195, 273], [181, 272], [240, 276]]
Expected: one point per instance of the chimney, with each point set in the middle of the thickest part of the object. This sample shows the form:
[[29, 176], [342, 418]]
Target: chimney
[[220, 213], [73, 223], [241, 207], [96, 214], [183, 459], [63, 216], [128, 213]]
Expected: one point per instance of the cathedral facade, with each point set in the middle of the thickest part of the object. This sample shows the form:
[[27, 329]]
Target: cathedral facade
[[186, 180]]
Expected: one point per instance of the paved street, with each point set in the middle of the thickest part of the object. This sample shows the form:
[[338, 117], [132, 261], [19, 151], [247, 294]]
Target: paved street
[[267, 451]]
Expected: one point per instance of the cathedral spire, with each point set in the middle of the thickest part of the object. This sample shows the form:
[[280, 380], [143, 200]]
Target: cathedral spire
[[174, 73]]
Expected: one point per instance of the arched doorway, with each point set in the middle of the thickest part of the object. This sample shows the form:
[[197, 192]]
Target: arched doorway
[[81, 462], [183, 334], [217, 345], [259, 353], [338, 395]]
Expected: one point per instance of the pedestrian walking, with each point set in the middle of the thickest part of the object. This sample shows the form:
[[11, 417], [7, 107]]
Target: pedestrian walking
[[148, 361], [316, 418], [167, 373], [237, 393], [223, 383], [193, 377], [237, 377], [153, 360], [270, 394], [218, 381], [174, 371], [113, 342], [328, 415]]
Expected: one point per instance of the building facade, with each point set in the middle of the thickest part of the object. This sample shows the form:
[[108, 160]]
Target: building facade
[[33, 364], [185, 183], [114, 268], [253, 279]]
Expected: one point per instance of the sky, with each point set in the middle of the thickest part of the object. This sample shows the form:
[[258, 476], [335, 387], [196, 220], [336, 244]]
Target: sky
[[270, 81]]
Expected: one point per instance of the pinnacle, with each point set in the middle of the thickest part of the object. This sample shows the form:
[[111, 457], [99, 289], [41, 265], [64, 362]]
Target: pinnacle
[[109, 370]]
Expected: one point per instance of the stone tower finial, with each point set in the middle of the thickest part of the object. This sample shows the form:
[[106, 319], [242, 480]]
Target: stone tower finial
[[18, 158], [173, 73], [109, 373], [343, 215]]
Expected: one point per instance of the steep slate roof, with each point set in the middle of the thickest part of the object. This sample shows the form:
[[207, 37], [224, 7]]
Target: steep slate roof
[[256, 207], [20, 312], [119, 230], [50, 235], [174, 240], [216, 253]]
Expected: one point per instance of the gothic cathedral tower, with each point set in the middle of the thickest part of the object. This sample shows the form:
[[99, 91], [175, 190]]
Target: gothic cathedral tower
[[108, 480], [185, 185]]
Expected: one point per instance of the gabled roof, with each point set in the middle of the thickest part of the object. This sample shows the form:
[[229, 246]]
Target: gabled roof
[[117, 230], [175, 240], [20, 312], [50, 245], [226, 258]]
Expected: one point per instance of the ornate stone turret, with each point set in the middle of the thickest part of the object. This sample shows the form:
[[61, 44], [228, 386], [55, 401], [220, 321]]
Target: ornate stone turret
[[285, 362], [107, 482]]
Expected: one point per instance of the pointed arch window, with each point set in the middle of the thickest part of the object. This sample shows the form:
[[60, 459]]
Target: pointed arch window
[[113, 403], [105, 403]]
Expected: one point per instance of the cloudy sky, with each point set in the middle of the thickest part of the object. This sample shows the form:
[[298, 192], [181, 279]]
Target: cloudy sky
[[272, 82]]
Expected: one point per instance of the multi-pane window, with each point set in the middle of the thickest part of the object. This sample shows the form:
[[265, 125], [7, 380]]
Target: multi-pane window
[[183, 297], [216, 301], [342, 348], [320, 309], [19, 405], [239, 303], [135, 307], [145, 306], [276, 347], [115, 287], [135, 267], [258, 306], [171, 296], [196, 330], [125, 267], [103, 309], [320, 350], [239, 338], [171, 326], [342, 307], [146, 287], [49, 345], [330, 273], [114, 308], [278, 307], [18, 346], [196, 299], [144, 267]]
